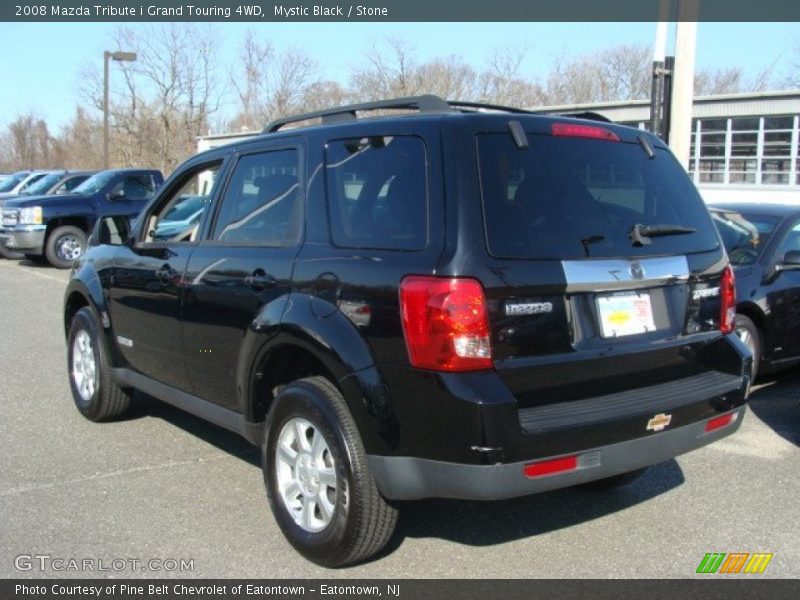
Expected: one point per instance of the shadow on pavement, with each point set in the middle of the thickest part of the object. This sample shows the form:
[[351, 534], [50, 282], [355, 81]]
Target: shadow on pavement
[[147, 406], [777, 403], [464, 522], [490, 523]]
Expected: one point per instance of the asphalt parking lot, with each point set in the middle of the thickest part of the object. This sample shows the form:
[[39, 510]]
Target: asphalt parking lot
[[165, 485]]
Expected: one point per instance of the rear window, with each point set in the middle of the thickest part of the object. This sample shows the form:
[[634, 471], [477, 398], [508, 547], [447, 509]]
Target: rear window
[[568, 198]]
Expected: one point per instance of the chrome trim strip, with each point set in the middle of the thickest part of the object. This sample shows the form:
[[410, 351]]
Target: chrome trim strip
[[624, 274]]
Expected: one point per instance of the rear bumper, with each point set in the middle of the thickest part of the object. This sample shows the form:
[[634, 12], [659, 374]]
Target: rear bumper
[[408, 478], [24, 238]]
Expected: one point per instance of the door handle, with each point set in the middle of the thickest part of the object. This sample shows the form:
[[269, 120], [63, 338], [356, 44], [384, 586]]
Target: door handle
[[165, 273], [259, 280]]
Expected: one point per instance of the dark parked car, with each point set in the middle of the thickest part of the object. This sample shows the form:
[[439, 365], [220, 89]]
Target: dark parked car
[[55, 183], [462, 302], [56, 227], [763, 243], [11, 183]]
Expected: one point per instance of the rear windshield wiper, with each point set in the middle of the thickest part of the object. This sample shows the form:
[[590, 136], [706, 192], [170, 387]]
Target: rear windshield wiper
[[640, 234]]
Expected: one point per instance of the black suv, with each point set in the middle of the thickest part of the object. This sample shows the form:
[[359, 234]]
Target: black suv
[[459, 301]]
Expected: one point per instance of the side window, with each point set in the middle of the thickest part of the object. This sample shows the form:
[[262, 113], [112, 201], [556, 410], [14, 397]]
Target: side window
[[177, 218], [791, 241], [377, 192], [261, 205], [135, 187]]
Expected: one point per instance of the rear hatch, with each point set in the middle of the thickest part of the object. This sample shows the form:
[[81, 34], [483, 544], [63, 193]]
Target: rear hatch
[[605, 268]]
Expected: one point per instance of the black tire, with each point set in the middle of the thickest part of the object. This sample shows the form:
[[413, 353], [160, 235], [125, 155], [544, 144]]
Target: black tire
[[108, 401], [9, 254], [610, 483], [62, 240], [749, 333], [362, 522]]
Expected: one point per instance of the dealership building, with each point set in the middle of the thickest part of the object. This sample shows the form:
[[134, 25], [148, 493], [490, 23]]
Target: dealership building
[[744, 146]]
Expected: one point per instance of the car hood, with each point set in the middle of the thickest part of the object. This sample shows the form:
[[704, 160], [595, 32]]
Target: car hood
[[24, 201]]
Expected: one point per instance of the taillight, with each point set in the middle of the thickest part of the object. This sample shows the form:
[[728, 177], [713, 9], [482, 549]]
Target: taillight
[[583, 131], [445, 324], [727, 300]]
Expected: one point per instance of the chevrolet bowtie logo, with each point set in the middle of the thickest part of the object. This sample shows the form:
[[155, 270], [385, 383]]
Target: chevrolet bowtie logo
[[659, 422]]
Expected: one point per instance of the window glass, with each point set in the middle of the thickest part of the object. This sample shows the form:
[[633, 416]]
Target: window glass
[[71, 183], [178, 218], [791, 241], [261, 203], [135, 187], [565, 198], [377, 192], [12, 181], [43, 185], [744, 236], [33, 179], [716, 125], [95, 183]]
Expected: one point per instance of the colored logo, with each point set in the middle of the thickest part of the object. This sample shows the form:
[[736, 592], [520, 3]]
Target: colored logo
[[734, 562], [659, 422]]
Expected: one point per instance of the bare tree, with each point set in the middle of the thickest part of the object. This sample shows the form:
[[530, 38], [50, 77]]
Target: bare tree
[[271, 83]]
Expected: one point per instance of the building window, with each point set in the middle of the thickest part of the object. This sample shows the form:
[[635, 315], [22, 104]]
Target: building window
[[745, 150]]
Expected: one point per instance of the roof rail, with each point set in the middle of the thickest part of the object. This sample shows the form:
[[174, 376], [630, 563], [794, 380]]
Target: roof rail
[[424, 104], [478, 105]]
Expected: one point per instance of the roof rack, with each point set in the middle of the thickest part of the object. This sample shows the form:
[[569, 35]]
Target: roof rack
[[427, 103], [478, 105], [424, 104]]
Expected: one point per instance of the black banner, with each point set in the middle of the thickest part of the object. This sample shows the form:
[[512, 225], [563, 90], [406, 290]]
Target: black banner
[[399, 10], [362, 589]]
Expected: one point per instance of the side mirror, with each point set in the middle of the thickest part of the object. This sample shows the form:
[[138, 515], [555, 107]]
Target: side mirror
[[111, 231], [791, 261], [117, 194]]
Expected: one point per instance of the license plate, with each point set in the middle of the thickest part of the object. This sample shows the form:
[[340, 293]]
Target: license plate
[[625, 314]]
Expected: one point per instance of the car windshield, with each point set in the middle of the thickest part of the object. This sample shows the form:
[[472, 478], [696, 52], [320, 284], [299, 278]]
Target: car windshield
[[12, 181], [185, 208], [744, 235], [569, 198], [43, 185], [95, 183]]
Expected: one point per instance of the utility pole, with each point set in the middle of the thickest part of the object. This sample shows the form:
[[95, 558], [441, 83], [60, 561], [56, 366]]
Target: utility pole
[[680, 134], [117, 56], [659, 72]]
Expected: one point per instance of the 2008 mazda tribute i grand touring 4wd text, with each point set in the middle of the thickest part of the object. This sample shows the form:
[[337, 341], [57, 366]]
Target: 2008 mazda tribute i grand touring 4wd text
[[458, 301]]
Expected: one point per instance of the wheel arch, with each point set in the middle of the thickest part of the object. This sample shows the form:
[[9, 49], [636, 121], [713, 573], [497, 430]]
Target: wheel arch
[[302, 345], [756, 315]]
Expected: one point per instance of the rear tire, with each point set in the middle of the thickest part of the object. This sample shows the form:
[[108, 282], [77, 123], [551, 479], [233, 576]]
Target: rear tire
[[750, 335], [97, 396], [613, 482], [321, 490], [64, 246]]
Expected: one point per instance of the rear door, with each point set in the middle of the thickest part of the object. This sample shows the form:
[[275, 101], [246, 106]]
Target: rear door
[[244, 264], [580, 304]]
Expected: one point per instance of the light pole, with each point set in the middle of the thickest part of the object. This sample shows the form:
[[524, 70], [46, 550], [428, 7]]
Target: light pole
[[119, 57]]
